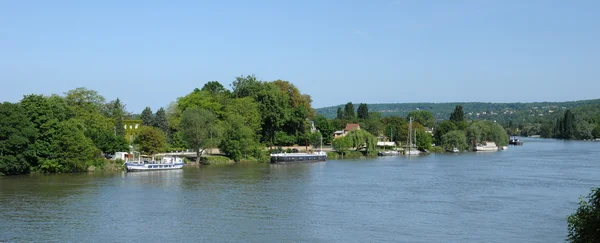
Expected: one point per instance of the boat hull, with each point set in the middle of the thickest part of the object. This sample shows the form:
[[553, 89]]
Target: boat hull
[[297, 158], [132, 167]]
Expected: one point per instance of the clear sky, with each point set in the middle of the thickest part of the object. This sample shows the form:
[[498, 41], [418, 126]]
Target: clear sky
[[148, 53]]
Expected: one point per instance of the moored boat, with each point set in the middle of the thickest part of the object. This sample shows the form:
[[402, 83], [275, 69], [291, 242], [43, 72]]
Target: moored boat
[[148, 164], [486, 146], [298, 157]]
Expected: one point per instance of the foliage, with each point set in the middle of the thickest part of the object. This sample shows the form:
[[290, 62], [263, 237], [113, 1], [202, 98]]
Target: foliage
[[349, 112], [423, 117], [363, 140], [565, 127], [283, 139], [238, 139], [372, 123], [480, 131], [214, 87], [71, 149], [314, 139], [147, 117], [393, 126], [584, 224], [199, 129], [117, 113], [458, 115], [443, 128], [362, 111], [342, 144], [325, 127], [214, 160], [424, 139], [150, 140], [596, 132], [454, 139], [17, 136], [160, 121], [340, 114]]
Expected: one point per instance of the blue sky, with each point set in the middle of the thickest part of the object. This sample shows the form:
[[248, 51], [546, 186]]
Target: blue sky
[[148, 53]]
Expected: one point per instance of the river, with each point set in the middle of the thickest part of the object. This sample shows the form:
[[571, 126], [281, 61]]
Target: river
[[520, 195]]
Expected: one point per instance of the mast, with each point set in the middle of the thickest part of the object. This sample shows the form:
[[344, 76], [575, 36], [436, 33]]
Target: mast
[[409, 135]]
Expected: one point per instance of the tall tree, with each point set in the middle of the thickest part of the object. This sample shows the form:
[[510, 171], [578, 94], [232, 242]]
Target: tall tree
[[238, 138], [198, 127], [150, 140], [17, 137], [349, 112], [160, 121], [325, 127], [363, 111], [147, 117], [458, 115], [454, 139], [118, 111], [567, 126], [340, 113]]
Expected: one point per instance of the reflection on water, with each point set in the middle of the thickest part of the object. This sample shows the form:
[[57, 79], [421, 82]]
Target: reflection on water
[[519, 195]]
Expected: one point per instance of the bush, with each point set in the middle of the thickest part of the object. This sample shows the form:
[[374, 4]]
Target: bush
[[214, 160], [584, 224], [436, 149]]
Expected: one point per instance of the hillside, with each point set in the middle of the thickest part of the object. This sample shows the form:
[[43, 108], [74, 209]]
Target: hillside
[[500, 112]]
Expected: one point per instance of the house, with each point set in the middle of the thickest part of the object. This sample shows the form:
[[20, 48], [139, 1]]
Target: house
[[429, 130], [349, 127]]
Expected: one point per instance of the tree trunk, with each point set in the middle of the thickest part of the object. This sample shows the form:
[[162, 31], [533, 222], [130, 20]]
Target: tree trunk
[[197, 156]]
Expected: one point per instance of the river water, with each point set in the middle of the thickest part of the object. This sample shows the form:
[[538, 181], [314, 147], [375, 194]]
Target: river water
[[520, 195]]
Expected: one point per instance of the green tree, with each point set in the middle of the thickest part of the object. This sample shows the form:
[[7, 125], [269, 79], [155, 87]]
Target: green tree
[[160, 121], [17, 137], [118, 111], [325, 127], [71, 150], [238, 138], [566, 126], [349, 112], [424, 139], [441, 130], [362, 139], [150, 140], [423, 117], [314, 139], [46, 114], [274, 109], [596, 131], [454, 139], [393, 127], [340, 114], [199, 129], [584, 224], [362, 111], [342, 144], [147, 117], [457, 115], [214, 87], [246, 86], [372, 123]]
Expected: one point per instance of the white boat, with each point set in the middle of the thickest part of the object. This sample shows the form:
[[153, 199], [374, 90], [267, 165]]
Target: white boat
[[298, 157], [455, 150], [504, 147], [148, 164], [486, 146]]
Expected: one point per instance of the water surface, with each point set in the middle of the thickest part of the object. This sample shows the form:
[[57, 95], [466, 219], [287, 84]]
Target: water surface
[[519, 195]]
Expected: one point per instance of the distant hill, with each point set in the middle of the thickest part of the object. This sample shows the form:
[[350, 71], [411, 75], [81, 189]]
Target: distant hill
[[500, 112]]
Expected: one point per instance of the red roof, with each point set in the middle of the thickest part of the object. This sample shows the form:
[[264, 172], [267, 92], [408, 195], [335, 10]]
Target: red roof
[[352, 127]]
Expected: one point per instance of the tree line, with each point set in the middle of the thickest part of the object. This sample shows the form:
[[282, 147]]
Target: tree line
[[447, 134], [72, 132]]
